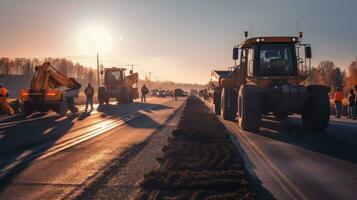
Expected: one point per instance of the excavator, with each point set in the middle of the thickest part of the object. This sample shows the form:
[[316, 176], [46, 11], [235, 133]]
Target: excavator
[[50, 89]]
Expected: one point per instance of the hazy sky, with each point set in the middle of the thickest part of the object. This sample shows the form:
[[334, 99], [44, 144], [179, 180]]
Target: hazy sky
[[179, 40]]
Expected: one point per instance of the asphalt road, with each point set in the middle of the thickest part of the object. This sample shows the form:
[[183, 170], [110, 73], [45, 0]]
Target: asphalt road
[[47, 157], [286, 162]]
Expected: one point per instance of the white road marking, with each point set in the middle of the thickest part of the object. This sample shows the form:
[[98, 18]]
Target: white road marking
[[48, 130]]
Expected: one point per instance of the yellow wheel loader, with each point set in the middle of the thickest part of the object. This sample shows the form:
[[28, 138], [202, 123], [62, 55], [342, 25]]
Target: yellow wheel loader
[[50, 90]]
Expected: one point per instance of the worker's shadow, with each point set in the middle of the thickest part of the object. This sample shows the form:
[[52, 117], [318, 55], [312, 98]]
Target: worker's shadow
[[36, 137], [82, 116]]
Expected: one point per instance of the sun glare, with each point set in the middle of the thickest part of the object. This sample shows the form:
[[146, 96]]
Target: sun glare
[[94, 39]]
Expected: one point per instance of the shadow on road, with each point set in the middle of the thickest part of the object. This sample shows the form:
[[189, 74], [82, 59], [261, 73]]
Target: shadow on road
[[21, 140], [114, 111], [24, 138], [330, 142]]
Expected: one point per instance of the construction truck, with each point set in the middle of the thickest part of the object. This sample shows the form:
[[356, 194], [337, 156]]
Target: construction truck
[[268, 81], [116, 85], [50, 90]]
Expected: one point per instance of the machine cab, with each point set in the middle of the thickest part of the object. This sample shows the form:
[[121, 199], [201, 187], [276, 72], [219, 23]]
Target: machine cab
[[114, 76], [273, 57]]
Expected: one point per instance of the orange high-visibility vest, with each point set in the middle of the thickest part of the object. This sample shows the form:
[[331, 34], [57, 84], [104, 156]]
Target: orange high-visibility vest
[[339, 96], [3, 95], [3, 92]]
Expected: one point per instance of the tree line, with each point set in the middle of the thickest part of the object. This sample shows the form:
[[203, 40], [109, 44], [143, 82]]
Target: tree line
[[326, 73], [25, 67]]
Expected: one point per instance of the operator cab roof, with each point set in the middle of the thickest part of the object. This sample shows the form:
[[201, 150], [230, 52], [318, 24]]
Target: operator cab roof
[[270, 39], [116, 68]]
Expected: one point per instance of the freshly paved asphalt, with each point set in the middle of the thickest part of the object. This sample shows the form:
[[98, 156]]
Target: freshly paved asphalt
[[47, 157]]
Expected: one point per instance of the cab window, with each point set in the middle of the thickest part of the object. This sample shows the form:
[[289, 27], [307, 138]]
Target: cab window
[[276, 60]]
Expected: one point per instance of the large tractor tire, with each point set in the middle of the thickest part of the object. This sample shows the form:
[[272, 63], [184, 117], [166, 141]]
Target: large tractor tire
[[124, 96], [249, 108], [228, 103], [102, 96], [316, 111], [62, 108], [217, 103], [28, 108]]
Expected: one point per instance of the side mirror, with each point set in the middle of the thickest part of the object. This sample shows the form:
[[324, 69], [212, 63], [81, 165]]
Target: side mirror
[[308, 52], [101, 72], [235, 53]]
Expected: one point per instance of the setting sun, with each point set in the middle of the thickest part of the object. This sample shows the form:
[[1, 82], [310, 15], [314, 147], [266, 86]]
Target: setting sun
[[94, 39]]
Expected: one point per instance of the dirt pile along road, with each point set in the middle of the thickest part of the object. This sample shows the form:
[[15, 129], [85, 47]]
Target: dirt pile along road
[[199, 162]]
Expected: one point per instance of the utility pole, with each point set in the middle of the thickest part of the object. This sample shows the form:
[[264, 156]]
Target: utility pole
[[156, 82], [150, 79], [98, 79]]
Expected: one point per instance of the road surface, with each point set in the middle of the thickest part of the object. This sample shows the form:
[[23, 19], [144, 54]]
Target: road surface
[[47, 157], [286, 162]]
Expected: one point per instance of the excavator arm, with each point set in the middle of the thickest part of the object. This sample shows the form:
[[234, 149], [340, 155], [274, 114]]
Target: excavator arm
[[48, 77]]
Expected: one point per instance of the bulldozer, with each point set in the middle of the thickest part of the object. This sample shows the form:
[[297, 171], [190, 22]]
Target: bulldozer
[[50, 89], [268, 80], [119, 86]]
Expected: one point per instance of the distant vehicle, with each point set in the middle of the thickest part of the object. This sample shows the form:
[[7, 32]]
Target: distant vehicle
[[268, 81], [161, 94], [154, 92], [201, 93], [169, 93], [179, 92], [194, 92]]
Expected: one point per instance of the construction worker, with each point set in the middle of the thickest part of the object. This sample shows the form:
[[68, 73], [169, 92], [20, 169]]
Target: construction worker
[[338, 102], [4, 104], [205, 94], [89, 92], [175, 94], [144, 92], [352, 104]]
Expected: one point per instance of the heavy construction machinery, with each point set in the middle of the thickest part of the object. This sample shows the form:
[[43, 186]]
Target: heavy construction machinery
[[50, 90], [268, 80], [118, 86]]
